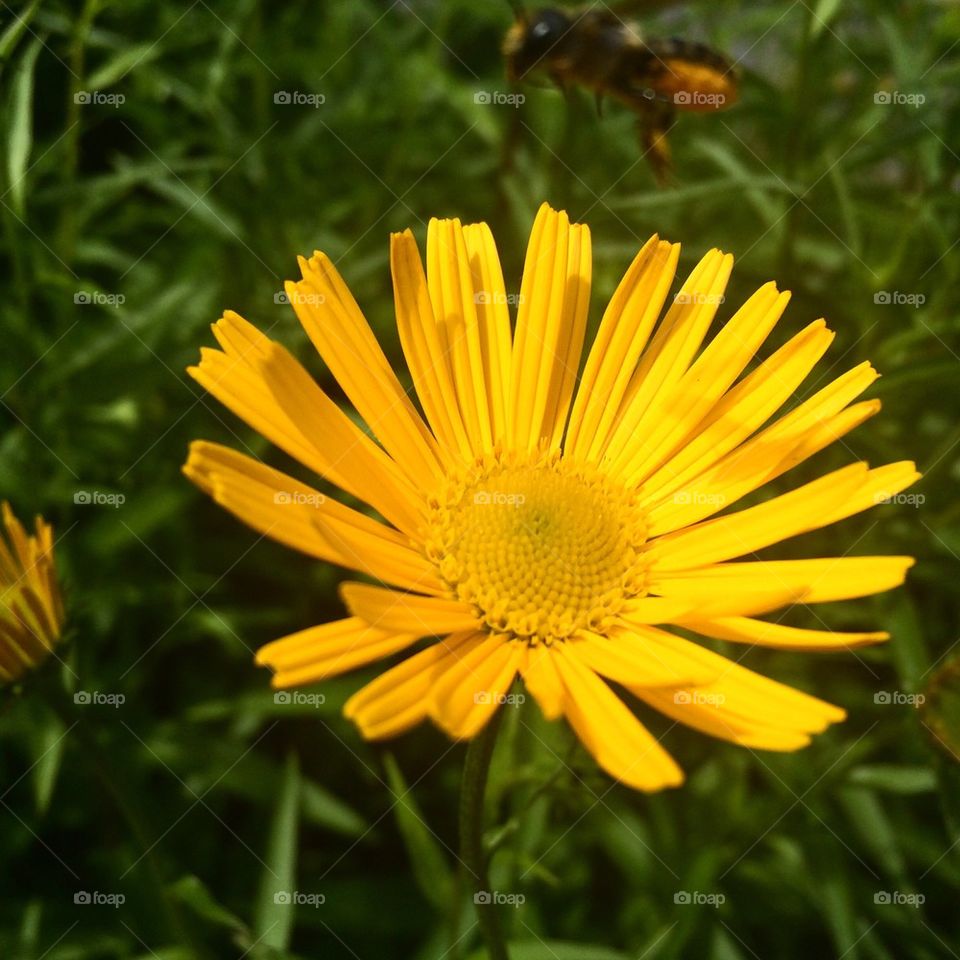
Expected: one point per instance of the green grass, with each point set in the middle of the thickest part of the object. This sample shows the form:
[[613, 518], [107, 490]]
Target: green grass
[[195, 194]]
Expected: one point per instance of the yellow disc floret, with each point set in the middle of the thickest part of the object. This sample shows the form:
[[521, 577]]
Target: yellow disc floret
[[543, 547]]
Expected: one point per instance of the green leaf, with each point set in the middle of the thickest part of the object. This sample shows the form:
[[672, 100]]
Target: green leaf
[[20, 128], [193, 893], [323, 808], [119, 66], [555, 950], [904, 778], [49, 741], [429, 864], [822, 14], [10, 36], [274, 914]]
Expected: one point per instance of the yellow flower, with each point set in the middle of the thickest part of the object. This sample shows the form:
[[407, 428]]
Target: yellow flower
[[31, 609], [545, 524]]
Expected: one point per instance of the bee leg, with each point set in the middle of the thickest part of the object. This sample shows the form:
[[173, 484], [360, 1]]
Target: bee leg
[[654, 125]]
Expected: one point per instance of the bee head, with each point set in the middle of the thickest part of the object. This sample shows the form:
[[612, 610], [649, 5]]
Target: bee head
[[533, 40]]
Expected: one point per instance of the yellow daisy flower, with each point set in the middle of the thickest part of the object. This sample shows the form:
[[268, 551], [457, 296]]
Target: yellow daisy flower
[[31, 609], [538, 523]]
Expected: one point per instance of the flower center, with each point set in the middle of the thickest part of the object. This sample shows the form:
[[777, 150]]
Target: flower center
[[541, 546]]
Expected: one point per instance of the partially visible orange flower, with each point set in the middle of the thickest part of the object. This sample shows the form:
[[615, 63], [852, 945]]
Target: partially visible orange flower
[[31, 608], [544, 523]]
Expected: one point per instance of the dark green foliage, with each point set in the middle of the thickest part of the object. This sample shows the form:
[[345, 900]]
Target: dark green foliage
[[195, 194]]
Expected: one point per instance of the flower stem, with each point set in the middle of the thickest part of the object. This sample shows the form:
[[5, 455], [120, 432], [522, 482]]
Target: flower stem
[[476, 767]]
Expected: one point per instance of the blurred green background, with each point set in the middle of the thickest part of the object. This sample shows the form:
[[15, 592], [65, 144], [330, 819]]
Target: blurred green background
[[151, 179]]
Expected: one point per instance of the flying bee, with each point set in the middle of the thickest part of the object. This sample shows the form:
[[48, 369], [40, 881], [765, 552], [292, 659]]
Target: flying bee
[[594, 48]]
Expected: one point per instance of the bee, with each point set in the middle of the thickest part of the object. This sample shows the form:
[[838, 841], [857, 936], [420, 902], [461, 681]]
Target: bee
[[595, 49]]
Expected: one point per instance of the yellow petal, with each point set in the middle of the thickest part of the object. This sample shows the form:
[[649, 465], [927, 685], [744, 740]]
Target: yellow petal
[[741, 410], [540, 677], [683, 409], [816, 504], [337, 328], [469, 692], [407, 612], [398, 699], [745, 630], [320, 652], [355, 462], [749, 467], [426, 345], [627, 657], [453, 296], [669, 355], [624, 331], [617, 740], [493, 319], [820, 580], [551, 320]]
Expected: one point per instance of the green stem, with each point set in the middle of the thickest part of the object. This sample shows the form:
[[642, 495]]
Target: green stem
[[476, 768]]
